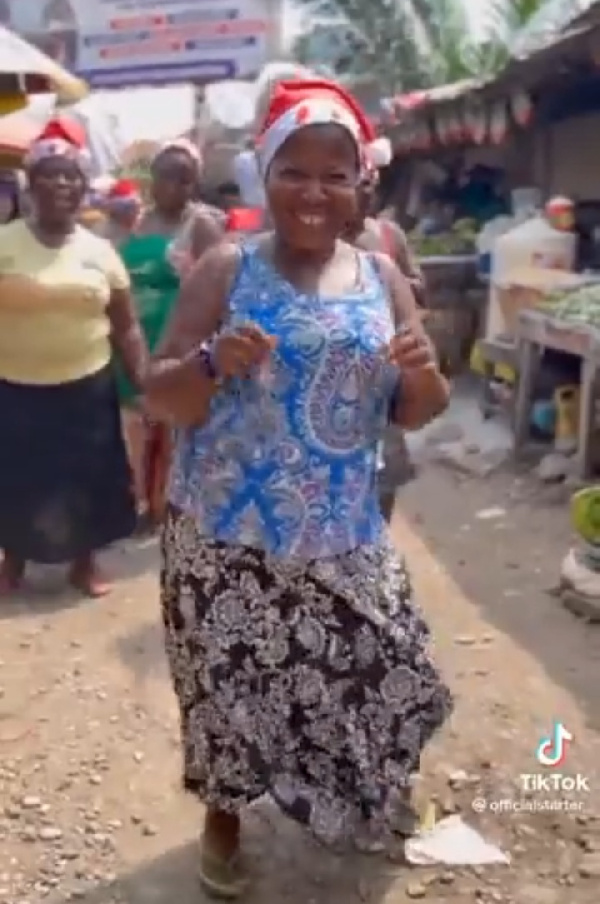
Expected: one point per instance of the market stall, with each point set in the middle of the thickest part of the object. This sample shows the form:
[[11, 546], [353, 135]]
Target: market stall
[[25, 70], [454, 293], [455, 299], [568, 322]]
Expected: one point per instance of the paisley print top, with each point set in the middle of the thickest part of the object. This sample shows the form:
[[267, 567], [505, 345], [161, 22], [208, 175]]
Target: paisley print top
[[287, 460]]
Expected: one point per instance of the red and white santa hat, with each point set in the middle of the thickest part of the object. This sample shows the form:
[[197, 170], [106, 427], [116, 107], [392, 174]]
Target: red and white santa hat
[[124, 191], [300, 103], [61, 137]]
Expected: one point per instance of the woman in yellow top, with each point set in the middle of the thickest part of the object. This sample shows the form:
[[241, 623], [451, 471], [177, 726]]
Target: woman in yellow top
[[65, 482]]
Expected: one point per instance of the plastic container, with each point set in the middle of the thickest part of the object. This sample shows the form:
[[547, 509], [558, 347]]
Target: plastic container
[[534, 244]]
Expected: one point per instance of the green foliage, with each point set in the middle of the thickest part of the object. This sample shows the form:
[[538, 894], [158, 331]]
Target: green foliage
[[411, 44]]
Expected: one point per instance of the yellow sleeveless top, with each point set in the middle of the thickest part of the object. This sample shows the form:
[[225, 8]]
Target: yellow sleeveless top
[[54, 326]]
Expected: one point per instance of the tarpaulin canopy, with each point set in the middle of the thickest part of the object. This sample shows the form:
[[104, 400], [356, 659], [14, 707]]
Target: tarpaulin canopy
[[25, 68]]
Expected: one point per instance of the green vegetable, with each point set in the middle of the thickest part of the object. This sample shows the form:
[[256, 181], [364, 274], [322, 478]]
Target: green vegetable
[[459, 240], [578, 306]]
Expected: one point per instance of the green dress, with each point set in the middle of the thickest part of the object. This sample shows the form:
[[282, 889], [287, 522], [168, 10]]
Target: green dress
[[155, 286]]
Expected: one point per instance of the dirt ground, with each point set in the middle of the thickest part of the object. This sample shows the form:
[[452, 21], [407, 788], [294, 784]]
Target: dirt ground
[[89, 780]]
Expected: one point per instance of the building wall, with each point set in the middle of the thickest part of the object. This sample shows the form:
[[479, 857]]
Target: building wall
[[566, 157]]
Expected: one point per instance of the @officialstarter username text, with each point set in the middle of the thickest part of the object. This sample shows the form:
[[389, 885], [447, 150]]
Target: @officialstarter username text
[[526, 805]]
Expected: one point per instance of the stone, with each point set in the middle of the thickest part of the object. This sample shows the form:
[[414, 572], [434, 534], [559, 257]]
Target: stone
[[589, 868], [553, 467], [416, 890], [29, 834], [50, 833], [539, 894]]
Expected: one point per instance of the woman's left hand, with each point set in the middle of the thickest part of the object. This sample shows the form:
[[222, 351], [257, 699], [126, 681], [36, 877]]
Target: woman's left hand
[[424, 393], [410, 350]]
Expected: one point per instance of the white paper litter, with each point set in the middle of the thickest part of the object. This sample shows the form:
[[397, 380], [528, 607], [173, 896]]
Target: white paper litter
[[453, 843], [491, 513]]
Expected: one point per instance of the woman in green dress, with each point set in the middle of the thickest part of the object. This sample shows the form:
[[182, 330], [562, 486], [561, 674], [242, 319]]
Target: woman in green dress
[[155, 283]]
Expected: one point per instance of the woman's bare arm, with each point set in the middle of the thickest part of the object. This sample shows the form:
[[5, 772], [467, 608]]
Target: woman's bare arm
[[424, 393], [178, 387], [127, 336], [206, 231]]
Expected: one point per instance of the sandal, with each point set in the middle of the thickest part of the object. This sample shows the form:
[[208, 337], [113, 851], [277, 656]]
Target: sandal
[[226, 879], [406, 820]]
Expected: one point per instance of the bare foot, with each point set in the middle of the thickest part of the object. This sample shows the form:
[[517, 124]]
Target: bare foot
[[86, 577], [11, 575]]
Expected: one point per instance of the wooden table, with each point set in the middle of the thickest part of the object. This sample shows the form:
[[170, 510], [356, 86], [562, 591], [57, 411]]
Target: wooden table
[[536, 332]]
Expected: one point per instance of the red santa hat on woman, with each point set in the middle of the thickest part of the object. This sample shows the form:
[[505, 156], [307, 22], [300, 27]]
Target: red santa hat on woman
[[297, 104], [61, 137], [124, 190]]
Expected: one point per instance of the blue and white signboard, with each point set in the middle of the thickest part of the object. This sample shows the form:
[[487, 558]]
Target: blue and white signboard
[[116, 43]]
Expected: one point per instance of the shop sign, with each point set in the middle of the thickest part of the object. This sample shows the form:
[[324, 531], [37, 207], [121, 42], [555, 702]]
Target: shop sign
[[116, 43]]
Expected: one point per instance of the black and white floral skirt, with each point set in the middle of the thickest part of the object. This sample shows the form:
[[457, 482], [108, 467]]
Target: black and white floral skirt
[[308, 682]]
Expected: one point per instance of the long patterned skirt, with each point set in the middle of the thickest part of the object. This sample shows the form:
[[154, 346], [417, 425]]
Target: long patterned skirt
[[308, 682]]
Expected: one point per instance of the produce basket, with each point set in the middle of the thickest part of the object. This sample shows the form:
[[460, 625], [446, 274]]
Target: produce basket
[[446, 278], [452, 331], [453, 306]]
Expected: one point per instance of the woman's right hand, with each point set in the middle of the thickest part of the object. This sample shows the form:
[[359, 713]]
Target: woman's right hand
[[238, 352]]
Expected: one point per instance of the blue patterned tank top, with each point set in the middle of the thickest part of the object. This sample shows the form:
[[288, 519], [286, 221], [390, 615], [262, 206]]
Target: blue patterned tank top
[[287, 461]]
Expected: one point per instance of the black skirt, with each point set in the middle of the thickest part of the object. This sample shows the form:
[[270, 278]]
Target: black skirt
[[65, 482]]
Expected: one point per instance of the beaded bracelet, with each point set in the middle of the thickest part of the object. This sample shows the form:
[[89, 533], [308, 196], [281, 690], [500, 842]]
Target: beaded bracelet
[[394, 400], [205, 357]]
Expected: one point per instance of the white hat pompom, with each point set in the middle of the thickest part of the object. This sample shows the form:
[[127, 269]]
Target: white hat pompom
[[379, 153], [248, 177]]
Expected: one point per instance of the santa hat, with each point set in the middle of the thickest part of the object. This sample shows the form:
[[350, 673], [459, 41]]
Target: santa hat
[[124, 190], [244, 219], [248, 177], [61, 137], [299, 103], [64, 129]]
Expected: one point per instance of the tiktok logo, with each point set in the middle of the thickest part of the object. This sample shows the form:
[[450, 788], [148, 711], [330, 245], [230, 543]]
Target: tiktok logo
[[552, 750]]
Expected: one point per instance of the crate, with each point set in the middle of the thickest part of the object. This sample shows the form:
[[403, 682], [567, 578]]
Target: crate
[[515, 299]]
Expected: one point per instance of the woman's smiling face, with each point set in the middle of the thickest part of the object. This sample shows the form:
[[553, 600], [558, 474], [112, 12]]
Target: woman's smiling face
[[311, 186], [57, 186]]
